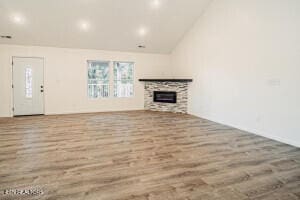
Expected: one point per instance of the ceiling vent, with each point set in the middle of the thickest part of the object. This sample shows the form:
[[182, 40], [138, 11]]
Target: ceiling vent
[[5, 37]]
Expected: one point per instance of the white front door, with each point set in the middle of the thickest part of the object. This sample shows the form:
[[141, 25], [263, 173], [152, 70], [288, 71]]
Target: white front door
[[28, 86]]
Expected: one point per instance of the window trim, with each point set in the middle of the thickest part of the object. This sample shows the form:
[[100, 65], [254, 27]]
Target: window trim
[[109, 79], [133, 81]]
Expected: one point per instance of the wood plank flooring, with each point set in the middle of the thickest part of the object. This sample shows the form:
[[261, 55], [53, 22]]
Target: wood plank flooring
[[142, 155]]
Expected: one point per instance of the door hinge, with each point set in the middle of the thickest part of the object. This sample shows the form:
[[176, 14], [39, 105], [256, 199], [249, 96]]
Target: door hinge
[[12, 63], [12, 86], [13, 109]]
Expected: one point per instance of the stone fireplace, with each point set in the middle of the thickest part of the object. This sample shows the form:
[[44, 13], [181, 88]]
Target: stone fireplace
[[169, 95]]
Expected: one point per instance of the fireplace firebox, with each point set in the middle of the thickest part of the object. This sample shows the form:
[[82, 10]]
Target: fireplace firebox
[[165, 97]]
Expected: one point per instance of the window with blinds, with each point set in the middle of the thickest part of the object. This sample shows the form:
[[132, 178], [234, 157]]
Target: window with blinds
[[123, 79], [98, 79]]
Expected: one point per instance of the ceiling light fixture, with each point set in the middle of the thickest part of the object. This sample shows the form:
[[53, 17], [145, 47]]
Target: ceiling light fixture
[[142, 31], [84, 25], [18, 19], [155, 3]]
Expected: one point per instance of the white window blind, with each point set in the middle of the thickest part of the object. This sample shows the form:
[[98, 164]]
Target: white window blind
[[123, 79], [98, 79]]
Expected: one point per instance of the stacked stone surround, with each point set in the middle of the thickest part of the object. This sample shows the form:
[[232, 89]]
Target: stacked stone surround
[[182, 96]]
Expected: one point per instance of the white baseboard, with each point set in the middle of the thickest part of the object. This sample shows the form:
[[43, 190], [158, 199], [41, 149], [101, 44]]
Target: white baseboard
[[87, 112], [256, 132]]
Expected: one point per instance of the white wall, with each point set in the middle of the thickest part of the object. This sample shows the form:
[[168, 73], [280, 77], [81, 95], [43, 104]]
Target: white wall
[[66, 78], [244, 57]]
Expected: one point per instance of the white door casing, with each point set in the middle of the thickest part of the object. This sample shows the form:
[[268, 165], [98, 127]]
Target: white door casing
[[28, 86]]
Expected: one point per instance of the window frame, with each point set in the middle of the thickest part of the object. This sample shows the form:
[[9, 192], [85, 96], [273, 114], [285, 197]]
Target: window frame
[[109, 79], [133, 80]]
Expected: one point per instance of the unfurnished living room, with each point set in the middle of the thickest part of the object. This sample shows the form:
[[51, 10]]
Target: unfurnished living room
[[150, 99]]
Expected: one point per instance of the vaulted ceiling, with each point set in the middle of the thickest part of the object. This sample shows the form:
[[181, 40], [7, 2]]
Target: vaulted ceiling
[[120, 25]]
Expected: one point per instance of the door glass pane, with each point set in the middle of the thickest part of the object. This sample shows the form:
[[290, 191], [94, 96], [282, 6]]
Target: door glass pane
[[28, 83]]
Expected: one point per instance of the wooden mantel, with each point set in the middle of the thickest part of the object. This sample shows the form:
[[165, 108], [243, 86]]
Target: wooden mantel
[[166, 80]]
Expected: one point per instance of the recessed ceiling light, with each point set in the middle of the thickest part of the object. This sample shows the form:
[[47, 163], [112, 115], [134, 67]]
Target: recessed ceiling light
[[18, 19], [84, 25], [142, 31], [155, 3]]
